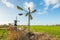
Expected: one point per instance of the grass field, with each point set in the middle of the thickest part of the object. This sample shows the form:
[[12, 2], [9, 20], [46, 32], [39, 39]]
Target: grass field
[[52, 30], [3, 34]]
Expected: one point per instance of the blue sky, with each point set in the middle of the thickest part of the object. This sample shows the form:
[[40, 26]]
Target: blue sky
[[48, 11]]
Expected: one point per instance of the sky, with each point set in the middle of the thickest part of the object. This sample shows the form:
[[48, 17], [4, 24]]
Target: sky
[[48, 11]]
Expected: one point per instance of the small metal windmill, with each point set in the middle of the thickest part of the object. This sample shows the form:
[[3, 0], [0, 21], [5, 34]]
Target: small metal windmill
[[29, 14], [15, 21]]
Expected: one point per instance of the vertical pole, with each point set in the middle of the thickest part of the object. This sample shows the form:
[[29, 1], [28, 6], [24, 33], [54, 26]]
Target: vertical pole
[[29, 20], [15, 22], [29, 24]]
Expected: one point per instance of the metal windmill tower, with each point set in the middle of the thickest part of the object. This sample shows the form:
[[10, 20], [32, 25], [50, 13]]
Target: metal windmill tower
[[15, 22]]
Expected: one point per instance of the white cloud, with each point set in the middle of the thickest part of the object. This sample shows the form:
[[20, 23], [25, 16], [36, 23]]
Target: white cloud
[[8, 4], [42, 12], [56, 3], [47, 3], [30, 4], [56, 6]]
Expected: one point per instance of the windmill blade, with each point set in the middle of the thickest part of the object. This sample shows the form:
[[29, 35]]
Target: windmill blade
[[31, 17], [26, 14], [33, 11], [20, 14], [18, 7]]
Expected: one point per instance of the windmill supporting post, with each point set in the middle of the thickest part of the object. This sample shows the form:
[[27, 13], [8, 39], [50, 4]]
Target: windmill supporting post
[[29, 21], [15, 22], [29, 25]]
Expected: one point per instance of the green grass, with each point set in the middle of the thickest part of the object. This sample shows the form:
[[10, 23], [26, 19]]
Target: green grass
[[3, 34], [52, 30]]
